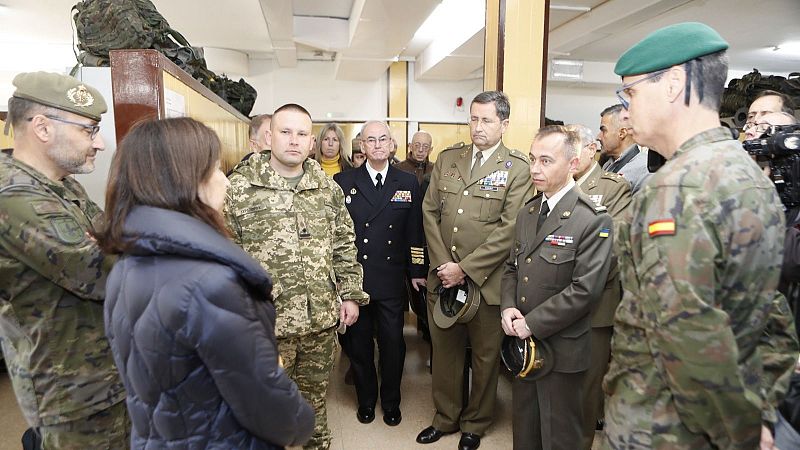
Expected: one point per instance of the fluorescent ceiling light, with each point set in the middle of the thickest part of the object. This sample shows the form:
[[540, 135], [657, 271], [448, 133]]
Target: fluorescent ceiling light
[[469, 14], [788, 48]]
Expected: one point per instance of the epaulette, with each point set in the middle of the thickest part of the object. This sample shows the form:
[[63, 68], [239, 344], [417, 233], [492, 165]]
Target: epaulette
[[592, 205], [613, 177], [518, 155], [458, 146]]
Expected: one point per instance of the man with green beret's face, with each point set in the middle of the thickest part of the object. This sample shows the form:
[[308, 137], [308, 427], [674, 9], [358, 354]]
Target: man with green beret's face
[[53, 273], [700, 341]]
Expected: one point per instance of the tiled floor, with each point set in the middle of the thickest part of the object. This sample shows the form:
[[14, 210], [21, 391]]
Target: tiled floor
[[348, 433]]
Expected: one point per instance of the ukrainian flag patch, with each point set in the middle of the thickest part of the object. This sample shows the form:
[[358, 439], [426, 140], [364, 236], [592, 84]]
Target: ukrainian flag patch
[[604, 232]]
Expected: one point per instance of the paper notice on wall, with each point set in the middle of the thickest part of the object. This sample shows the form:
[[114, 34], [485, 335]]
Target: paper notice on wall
[[174, 104]]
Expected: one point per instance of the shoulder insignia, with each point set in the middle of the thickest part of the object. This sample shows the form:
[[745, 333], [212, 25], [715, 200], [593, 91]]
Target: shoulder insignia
[[458, 146], [67, 230], [518, 155], [613, 176]]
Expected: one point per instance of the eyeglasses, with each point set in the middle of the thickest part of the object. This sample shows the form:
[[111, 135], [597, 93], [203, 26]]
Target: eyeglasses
[[623, 93], [93, 129], [371, 141]]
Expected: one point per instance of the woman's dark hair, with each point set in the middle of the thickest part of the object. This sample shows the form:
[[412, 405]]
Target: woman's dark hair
[[160, 163]]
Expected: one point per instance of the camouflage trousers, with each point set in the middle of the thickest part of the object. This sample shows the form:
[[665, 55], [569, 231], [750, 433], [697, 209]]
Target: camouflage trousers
[[308, 360], [107, 429]]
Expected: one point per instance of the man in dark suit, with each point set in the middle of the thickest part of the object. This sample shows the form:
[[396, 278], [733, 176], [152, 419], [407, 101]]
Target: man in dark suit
[[469, 213], [612, 191], [385, 205], [554, 276]]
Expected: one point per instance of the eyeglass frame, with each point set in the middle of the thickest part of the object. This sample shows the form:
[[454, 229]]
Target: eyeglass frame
[[625, 103], [93, 129], [384, 140]]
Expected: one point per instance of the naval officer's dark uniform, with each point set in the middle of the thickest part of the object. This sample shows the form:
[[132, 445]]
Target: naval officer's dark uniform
[[389, 238]]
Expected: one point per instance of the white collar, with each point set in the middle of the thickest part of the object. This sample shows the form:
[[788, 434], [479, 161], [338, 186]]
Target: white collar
[[553, 201], [485, 153], [373, 172]]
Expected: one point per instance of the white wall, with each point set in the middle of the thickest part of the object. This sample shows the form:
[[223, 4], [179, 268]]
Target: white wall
[[435, 101], [578, 104]]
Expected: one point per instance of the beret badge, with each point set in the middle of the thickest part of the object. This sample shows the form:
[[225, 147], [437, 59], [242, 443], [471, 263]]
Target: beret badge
[[80, 96]]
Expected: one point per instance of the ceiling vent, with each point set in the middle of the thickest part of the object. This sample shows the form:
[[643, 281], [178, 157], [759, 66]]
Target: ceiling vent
[[566, 69]]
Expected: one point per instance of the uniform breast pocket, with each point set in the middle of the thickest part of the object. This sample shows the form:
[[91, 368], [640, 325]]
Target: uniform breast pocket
[[448, 192], [560, 264], [491, 204]]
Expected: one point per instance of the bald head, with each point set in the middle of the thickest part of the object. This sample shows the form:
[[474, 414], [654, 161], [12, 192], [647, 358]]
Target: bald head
[[420, 146]]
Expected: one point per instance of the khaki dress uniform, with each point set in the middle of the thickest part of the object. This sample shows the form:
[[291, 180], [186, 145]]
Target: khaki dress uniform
[[469, 219]]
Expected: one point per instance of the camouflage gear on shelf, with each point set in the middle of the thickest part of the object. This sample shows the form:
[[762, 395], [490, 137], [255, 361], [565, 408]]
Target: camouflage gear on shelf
[[52, 288], [303, 237], [109, 429], [308, 361], [699, 254]]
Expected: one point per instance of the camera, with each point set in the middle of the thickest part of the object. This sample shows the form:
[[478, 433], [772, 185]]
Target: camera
[[779, 149]]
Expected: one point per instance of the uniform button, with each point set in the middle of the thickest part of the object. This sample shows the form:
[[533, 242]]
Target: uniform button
[[366, 240], [366, 224], [466, 192], [554, 257], [390, 242], [388, 258], [460, 211], [390, 227], [528, 260], [453, 248], [365, 257], [487, 195], [525, 279], [445, 188], [455, 229], [522, 299]]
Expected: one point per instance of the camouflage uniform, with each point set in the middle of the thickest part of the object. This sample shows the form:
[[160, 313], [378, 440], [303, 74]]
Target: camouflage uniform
[[52, 287], [699, 255], [304, 238]]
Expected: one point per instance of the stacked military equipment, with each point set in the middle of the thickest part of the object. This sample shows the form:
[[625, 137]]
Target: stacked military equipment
[[741, 92], [105, 25]]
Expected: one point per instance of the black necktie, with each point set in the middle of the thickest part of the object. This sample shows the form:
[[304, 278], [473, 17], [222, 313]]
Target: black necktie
[[542, 215], [378, 184]]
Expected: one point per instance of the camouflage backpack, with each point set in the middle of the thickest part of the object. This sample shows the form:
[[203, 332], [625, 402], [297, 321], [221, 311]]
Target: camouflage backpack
[[105, 25]]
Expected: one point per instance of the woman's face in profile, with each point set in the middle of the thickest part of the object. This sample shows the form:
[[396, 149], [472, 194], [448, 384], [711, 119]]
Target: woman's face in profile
[[330, 145], [212, 190]]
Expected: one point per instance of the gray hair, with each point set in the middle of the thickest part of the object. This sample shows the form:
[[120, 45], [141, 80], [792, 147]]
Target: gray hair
[[585, 134], [500, 100]]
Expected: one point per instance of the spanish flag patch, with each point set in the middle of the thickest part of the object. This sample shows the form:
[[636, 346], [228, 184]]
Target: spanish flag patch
[[604, 232], [664, 227]]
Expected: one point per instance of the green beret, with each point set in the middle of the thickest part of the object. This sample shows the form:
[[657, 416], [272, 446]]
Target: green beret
[[668, 47], [60, 91]]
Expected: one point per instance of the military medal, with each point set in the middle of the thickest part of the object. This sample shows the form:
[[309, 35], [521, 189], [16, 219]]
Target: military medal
[[348, 199], [559, 241], [353, 191], [509, 164]]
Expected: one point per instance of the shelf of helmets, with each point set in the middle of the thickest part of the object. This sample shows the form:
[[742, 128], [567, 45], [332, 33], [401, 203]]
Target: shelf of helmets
[[147, 84]]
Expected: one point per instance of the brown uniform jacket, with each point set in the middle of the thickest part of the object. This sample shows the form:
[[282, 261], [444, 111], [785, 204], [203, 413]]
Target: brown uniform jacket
[[415, 168], [470, 219], [613, 192], [555, 275]]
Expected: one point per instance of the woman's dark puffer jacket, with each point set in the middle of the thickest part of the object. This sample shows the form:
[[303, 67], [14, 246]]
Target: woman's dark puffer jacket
[[191, 326]]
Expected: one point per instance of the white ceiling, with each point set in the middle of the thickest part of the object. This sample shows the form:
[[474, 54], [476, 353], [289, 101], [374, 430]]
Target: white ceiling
[[363, 37]]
